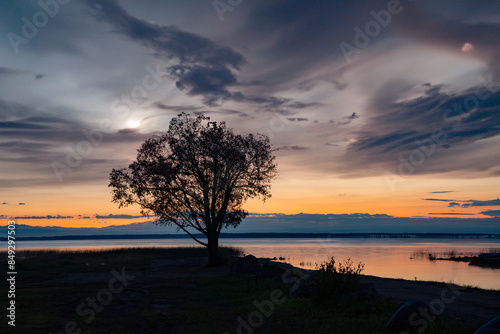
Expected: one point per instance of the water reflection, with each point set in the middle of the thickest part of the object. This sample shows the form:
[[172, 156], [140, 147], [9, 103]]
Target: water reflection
[[393, 258]]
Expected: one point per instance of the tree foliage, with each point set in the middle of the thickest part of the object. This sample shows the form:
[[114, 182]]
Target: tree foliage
[[197, 176]]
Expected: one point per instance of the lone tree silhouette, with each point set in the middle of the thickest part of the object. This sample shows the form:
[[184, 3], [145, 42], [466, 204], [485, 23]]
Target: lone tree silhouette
[[197, 176]]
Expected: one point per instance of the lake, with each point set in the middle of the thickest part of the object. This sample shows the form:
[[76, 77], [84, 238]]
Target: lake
[[383, 257]]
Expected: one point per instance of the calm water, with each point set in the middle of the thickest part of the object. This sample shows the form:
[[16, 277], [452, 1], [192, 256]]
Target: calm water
[[382, 256]]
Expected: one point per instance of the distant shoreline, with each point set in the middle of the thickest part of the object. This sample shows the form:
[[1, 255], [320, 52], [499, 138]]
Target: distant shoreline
[[270, 236]]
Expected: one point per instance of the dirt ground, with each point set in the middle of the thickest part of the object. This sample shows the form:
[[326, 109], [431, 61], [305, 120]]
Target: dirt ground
[[472, 305]]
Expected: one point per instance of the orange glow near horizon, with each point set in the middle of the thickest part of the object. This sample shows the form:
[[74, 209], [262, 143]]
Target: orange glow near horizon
[[289, 196]]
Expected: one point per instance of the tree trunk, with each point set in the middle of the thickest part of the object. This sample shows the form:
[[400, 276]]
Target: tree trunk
[[213, 251]]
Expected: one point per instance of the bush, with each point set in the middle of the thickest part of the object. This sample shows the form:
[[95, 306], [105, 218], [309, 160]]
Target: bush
[[332, 280]]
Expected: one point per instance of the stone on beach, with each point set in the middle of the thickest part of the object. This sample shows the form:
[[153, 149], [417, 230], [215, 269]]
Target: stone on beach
[[247, 264], [401, 319], [491, 327]]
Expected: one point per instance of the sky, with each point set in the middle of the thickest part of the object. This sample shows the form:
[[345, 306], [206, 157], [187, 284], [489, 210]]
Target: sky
[[383, 109]]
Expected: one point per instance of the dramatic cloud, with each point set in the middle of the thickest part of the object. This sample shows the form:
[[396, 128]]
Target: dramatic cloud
[[204, 67], [424, 134]]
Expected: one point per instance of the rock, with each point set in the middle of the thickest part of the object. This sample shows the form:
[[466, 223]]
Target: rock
[[491, 327], [400, 320], [270, 269], [247, 264]]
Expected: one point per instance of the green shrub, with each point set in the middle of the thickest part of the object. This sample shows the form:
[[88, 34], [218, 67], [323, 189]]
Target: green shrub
[[333, 280]]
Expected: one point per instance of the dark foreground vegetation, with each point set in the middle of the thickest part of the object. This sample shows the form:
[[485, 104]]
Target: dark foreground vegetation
[[170, 290]]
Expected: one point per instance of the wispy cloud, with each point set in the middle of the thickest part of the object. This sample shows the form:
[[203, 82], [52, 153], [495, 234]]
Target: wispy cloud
[[452, 214], [491, 213], [399, 127], [493, 202], [438, 199], [112, 216]]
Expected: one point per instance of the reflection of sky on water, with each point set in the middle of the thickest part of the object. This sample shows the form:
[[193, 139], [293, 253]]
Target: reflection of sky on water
[[382, 256]]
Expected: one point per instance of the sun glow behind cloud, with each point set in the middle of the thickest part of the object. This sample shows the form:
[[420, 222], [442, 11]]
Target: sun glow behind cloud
[[133, 123]]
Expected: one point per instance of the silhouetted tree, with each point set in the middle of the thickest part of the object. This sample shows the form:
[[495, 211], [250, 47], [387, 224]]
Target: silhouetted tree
[[196, 176]]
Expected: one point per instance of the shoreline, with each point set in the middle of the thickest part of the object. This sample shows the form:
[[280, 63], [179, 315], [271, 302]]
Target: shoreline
[[160, 278]]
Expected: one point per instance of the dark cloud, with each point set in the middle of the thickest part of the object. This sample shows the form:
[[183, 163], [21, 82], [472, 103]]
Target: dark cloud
[[441, 192], [204, 67], [433, 129], [8, 72], [5, 203], [493, 202], [466, 204], [348, 119], [452, 214], [5, 71], [302, 105], [22, 204], [178, 109], [353, 116], [438, 199], [492, 213], [297, 119]]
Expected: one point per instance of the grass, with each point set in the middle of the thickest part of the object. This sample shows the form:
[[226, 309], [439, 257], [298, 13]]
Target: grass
[[179, 305], [43, 264]]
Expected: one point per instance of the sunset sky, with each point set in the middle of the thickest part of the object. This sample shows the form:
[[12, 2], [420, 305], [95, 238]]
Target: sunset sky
[[376, 107]]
